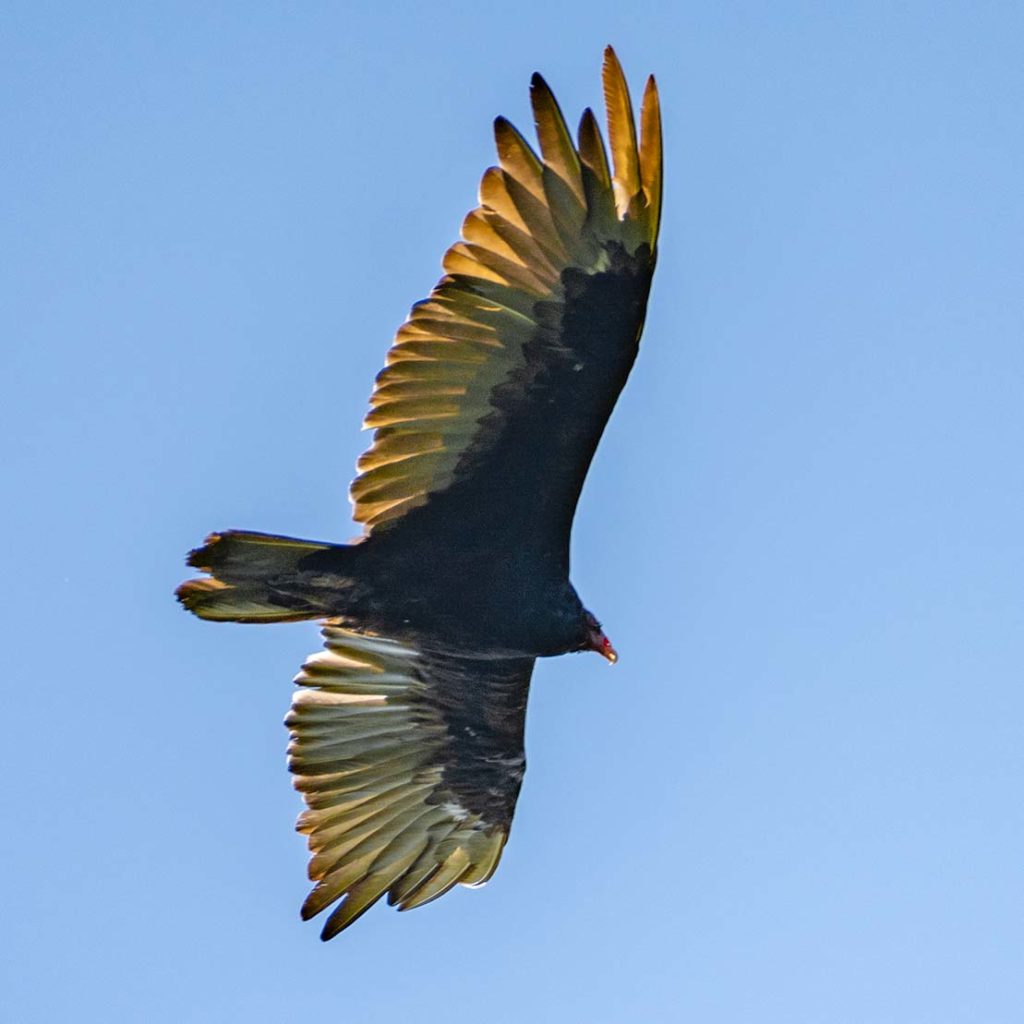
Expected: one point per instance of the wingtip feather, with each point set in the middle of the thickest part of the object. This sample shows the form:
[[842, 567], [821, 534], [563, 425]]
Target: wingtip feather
[[621, 133], [651, 155]]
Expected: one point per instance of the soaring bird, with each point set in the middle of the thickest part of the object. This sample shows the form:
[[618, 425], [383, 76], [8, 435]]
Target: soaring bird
[[407, 730]]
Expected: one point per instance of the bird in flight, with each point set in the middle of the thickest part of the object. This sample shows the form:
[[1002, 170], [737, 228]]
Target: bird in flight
[[407, 730]]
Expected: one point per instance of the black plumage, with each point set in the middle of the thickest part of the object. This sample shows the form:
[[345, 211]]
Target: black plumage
[[407, 731]]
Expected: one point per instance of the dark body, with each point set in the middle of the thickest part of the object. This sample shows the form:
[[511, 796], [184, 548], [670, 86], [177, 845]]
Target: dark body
[[482, 568]]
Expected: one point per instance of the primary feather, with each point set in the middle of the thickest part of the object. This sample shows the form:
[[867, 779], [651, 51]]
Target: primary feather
[[407, 731]]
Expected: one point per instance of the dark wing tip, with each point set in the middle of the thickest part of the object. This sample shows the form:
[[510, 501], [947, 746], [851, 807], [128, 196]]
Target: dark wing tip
[[539, 89]]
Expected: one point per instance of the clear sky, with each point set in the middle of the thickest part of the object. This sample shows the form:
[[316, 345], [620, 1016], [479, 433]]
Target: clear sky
[[797, 798]]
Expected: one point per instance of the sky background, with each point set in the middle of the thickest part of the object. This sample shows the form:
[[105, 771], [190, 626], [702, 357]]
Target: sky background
[[797, 798]]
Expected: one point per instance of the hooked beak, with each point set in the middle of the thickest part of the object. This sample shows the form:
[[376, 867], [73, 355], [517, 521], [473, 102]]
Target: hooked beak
[[600, 643]]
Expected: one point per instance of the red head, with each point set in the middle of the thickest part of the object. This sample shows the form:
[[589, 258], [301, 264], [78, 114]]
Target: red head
[[597, 641]]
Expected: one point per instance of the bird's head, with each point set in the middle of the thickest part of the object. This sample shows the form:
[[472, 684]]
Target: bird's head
[[595, 640], [568, 626]]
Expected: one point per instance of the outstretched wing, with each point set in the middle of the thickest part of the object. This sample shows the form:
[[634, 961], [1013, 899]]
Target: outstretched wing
[[410, 765], [498, 386]]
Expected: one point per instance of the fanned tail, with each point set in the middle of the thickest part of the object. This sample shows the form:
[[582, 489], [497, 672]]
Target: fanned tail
[[255, 577]]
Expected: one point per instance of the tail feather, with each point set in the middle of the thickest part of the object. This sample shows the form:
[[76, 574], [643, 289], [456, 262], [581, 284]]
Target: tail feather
[[254, 577]]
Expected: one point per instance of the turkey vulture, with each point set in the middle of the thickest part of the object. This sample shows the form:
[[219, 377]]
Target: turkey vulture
[[407, 731]]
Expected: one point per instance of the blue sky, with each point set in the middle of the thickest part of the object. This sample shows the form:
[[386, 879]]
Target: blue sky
[[797, 798]]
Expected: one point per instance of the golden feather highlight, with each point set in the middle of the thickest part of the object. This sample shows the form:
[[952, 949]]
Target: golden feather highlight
[[541, 213]]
